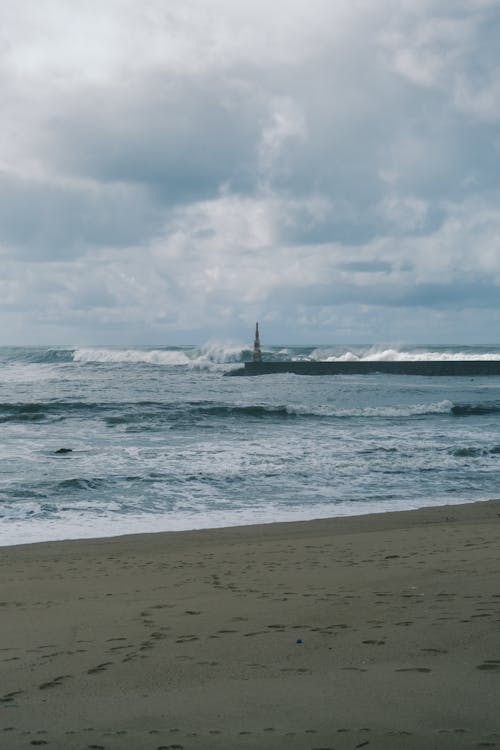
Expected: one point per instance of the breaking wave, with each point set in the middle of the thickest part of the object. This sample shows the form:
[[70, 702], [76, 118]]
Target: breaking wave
[[139, 411], [410, 410], [375, 354], [221, 355], [205, 357], [131, 356], [131, 413]]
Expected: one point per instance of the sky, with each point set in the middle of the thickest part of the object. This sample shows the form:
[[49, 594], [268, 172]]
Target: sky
[[172, 171]]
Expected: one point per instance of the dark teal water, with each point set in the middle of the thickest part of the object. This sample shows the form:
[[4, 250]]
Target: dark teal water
[[96, 442]]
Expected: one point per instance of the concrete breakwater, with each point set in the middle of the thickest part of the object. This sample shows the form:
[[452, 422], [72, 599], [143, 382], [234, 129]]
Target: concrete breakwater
[[463, 368]]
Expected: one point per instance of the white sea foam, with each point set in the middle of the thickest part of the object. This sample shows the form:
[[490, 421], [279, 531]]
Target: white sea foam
[[80, 525], [131, 356], [204, 357], [23, 372], [375, 354], [213, 355], [217, 354], [207, 451], [407, 410]]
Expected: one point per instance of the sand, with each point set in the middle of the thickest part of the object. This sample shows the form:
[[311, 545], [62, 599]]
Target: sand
[[380, 631]]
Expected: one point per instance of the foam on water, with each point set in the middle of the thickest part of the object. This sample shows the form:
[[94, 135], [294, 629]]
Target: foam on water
[[205, 357], [135, 413], [26, 373], [213, 354], [384, 412], [88, 525], [131, 356], [375, 354], [101, 441]]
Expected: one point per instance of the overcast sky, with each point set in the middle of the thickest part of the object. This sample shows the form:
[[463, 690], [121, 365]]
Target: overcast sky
[[173, 170]]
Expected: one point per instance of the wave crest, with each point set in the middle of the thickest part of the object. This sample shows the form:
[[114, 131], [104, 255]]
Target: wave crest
[[299, 410], [377, 354], [151, 411], [207, 356], [130, 356]]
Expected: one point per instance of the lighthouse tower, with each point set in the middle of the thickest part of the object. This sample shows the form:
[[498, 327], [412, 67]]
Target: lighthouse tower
[[257, 354]]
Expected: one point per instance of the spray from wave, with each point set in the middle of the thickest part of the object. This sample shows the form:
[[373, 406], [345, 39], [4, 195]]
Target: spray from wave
[[208, 356], [130, 356], [216, 356], [410, 410], [376, 354]]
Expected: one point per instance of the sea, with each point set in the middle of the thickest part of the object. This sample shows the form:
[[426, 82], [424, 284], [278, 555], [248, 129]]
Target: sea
[[99, 442]]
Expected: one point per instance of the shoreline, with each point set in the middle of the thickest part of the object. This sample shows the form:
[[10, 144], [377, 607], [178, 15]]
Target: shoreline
[[253, 525], [377, 630]]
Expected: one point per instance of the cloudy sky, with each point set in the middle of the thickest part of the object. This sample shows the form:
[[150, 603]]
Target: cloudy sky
[[172, 170]]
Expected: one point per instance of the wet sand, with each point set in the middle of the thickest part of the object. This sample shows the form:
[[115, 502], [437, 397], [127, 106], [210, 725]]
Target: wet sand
[[380, 631]]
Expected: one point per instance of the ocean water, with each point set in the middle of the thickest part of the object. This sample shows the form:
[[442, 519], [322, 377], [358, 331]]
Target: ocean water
[[106, 441]]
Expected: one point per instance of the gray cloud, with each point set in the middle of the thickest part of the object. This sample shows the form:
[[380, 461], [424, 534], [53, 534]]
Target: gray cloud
[[46, 220], [174, 172], [182, 137]]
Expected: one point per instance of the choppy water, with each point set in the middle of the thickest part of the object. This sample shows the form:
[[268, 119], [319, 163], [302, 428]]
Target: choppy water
[[97, 442]]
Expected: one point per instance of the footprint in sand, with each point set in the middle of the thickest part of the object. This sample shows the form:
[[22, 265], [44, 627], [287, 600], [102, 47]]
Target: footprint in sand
[[414, 669], [492, 665], [99, 668], [353, 669], [10, 697], [434, 650], [56, 682]]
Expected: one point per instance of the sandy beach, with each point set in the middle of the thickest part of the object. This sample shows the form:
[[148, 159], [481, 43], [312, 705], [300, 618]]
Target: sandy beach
[[378, 631]]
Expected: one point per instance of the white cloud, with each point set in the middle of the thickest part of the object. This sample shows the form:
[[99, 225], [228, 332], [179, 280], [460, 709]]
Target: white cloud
[[450, 47], [286, 121], [404, 213]]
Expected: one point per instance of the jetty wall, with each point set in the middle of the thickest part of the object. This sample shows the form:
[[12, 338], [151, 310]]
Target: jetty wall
[[463, 368]]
